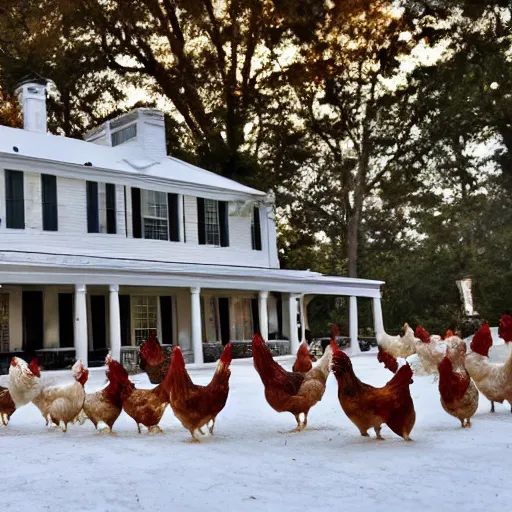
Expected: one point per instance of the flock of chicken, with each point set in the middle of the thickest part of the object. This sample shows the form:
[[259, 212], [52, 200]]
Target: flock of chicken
[[460, 377]]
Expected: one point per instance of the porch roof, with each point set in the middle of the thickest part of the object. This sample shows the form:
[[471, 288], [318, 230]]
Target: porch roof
[[23, 268]]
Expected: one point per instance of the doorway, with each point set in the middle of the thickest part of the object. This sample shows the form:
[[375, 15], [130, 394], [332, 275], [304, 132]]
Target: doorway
[[225, 331], [98, 322], [33, 321]]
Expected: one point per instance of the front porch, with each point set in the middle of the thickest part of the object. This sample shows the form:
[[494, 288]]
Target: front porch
[[44, 312]]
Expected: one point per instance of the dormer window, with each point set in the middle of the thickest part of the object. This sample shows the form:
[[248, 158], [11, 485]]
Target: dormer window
[[124, 134]]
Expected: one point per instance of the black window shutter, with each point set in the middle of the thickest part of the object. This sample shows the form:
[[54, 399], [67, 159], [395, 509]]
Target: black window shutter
[[136, 215], [174, 221], [256, 229], [201, 229], [93, 218], [14, 199], [49, 200], [166, 319], [224, 223], [110, 203], [124, 311], [255, 316]]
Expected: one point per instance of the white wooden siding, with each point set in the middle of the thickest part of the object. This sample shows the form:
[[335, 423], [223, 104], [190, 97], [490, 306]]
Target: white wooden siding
[[190, 212], [72, 237], [33, 201]]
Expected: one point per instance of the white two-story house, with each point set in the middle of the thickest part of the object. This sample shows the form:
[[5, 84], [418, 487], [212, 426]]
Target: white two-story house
[[105, 239]]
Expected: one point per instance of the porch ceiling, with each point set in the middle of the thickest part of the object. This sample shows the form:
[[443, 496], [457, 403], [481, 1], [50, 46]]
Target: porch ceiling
[[101, 271]]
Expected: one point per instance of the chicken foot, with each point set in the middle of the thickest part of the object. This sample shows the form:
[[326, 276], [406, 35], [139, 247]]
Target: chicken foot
[[155, 428], [466, 423], [212, 426], [377, 431], [194, 438]]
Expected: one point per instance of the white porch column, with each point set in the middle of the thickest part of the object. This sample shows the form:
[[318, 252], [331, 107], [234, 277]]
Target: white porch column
[[353, 326], [115, 323], [263, 312], [197, 343], [302, 318], [81, 347], [292, 311], [378, 322]]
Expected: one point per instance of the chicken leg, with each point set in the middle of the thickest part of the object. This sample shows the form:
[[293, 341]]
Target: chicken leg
[[492, 406], [212, 427], [377, 431]]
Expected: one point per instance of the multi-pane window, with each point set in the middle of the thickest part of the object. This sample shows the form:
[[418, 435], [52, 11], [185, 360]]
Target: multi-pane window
[[145, 314], [243, 318], [154, 215], [124, 134], [4, 322], [211, 221], [101, 207]]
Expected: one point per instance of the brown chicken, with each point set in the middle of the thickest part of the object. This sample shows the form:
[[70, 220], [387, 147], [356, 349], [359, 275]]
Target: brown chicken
[[7, 406], [195, 405], [304, 361], [290, 391], [145, 406], [105, 405], [459, 396], [153, 360], [368, 407]]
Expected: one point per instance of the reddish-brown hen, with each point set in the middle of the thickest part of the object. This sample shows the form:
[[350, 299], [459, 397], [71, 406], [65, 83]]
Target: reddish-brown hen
[[7, 406], [459, 396], [304, 361], [153, 360], [105, 405], [290, 391], [145, 406], [195, 406], [368, 407]]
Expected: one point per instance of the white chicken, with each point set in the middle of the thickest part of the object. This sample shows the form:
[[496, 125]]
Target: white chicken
[[62, 404], [401, 346], [493, 380], [430, 350], [24, 381]]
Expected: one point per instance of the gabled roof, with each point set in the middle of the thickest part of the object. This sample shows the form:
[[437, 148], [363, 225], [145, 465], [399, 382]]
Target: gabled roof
[[129, 159]]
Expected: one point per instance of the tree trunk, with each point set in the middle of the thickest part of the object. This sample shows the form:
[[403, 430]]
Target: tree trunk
[[353, 243]]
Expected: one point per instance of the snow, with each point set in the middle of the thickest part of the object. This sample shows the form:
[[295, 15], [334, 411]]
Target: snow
[[253, 463]]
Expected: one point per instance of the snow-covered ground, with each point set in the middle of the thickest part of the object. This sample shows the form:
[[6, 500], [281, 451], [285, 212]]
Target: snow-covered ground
[[252, 463]]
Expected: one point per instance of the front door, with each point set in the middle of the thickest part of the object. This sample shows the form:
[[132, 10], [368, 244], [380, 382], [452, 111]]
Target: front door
[[225, 331], [66, 320], [98, 322], [33, 321]]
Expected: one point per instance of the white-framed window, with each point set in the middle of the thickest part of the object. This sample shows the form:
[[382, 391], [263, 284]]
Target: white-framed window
[[243, 318], [211, 222], [154, 215], [210, 317], [124, 134], [145, 316]]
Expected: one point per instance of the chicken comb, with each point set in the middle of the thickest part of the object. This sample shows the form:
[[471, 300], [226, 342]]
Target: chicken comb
[[389, 361], [505, 328], [34, 367], [422, 334], [227, 354], [335, 330], [448, 334], [482, 340]]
